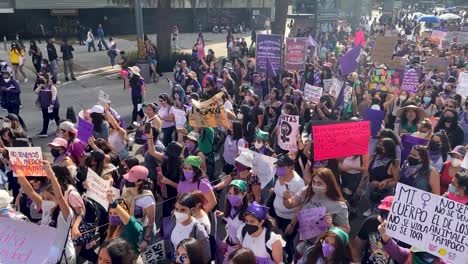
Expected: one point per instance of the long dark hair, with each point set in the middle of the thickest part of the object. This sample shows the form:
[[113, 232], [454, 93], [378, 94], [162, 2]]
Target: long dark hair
[[194, 250], [441, 124], [242, 208], [405, 120], [97, 120], [444, 143], [341, 254], [119, 250], [167, 98], [63, 176], [135, 81], [388, 133], [237, 130], [242, 256], [333, 191], [424, 156]]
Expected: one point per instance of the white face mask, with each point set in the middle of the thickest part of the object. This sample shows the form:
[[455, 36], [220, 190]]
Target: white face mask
[[258, 145], [456, 162], [181, 217], [47, 206], [318, 189], [7, 80], [240, 116], [6, 124], [402, 97], [423, 134]]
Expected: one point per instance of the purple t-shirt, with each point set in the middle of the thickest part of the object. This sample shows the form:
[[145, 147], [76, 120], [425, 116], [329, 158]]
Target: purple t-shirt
[[76, 150], [186, 186]]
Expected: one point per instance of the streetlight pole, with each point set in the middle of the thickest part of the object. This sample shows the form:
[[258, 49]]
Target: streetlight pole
[[316, 12], [139, 28]]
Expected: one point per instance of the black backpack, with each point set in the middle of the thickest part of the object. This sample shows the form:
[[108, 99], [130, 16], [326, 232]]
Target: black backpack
[[267, 237], [219, 138]]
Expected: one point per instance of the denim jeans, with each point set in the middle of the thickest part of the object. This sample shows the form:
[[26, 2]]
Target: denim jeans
[[53, 69], [91, 45]]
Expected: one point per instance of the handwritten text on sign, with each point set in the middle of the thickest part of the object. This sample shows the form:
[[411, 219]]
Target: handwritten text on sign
[[462, 87], [411, 81], [23, 242], [312, 222], [385, 80], [269, 47], [430, 222], [98, 187], [288, 131], [26, 161], [294, 58], [209, 113], [154, 253], [312, 93], [341, 140]]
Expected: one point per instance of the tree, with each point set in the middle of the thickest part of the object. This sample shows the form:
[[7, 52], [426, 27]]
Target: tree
[[281, 14]]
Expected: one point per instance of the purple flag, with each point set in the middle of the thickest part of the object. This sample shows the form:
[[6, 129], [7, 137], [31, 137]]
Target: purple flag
[[271, 73], [349, 62], [311, 41], [375, 117], [407, 143]]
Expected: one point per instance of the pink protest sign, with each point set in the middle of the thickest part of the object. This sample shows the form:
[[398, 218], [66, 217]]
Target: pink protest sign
[[312, 222], [294, 58]]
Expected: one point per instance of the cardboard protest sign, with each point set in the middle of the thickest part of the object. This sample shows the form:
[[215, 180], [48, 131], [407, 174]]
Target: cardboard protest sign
[[397, 63], [103, 98], [436, 63], [437, 35], [425, 35], [312, 93], [98, 187], [268, 47], [384, 80], [24, 242], [288, 132], [327, 84], [407, 143], [312, 222], [429, 222], [336, 87], [294, 58], [180, 118], [410, 81], [375, 118], [462, 87], [154, 253], [382, 51], [209, 113], [26, 161], [341, 140], [85, 130]]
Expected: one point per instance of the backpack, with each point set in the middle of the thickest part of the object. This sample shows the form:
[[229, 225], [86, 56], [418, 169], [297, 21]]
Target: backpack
[[219, 138], [267, 237]]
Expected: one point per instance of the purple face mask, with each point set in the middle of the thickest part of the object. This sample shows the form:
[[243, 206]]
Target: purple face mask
[[114, 220], [189, 145], [327, 249], [188, 174], [280, 171], [234, 199]]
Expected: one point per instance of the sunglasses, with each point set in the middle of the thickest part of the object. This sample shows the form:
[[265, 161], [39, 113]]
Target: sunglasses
[[129, 184], [175, 256]]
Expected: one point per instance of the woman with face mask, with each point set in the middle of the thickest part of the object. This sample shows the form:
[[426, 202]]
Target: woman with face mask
[[192, 149], [322, 191], [383, 173], [234, 141], [188, 251], [56, 213], [428, 103], [417, 172], [451, 167], [259, 235], [48, 101], [438, 148], [58, 150], [138, 196], [36, 55], [17, 55], [449, 122], [331, 247], [458, 189], [194, 179], [261, 144], [185, 226], [122, 224], [12, 121]]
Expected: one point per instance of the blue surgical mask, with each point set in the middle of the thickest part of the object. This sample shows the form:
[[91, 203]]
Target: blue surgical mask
[[452, 189], [427, 99]]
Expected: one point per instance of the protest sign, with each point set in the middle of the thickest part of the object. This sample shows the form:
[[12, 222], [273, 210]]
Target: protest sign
[[209, 113], [264, 167], [268, 47], [336, 87], [382, 51], [26, 161], [397, 63], [98, 187], [347, 93], [436, 63], [437, 35], [384, 80], [289, 129], [349, 62], [462, 87], [103, 98], [294, 58], [312, 93], [24, 242], [425, 35], [465, 162], [359, 39], [375, 118], [341, 140], [327, 84], [429, 222], [85, 130], [407, 143], [180, 118], [410, 81], [154, 253], [312, 222]]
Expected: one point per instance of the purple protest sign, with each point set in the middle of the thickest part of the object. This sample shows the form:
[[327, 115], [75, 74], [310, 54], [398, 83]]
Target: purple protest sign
[[268, 46], [375, 117], [410, 81], [85, 130], [294, 59], [407, 143], [312, 222]]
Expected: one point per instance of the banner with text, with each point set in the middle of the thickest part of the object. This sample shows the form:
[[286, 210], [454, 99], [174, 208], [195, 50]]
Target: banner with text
[[312, 222], [268, 47], [430, 222], [288, 132], [26, 161], [437, 35], [341, 140], [98, 187], [154, 253], [180, 118], [312, 93], [462, 87], [209, 113], [263, 166], [294, 59], [385, 80], [410, 81]]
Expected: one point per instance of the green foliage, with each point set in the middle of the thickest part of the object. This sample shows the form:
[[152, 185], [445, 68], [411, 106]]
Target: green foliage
[[179, 56]]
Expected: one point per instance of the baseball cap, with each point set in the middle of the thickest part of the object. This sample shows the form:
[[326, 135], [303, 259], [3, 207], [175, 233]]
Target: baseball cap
[[459, 150], [239, 184], [97, 155], [386, 203], [136, 173], [68, 126], [59, 142], [97, 109], [193, 160], [284, 160]]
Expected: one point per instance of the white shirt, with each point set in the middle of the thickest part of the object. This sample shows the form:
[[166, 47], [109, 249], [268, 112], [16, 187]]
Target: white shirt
[[231, 149], [233, 224], [164, 112], [295, 186], [145, 202], [257, 244], [205, 220], [181, 232], [63, 232]]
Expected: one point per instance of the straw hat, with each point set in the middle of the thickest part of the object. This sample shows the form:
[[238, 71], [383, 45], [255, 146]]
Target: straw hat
[[135, 70], [418, 110]]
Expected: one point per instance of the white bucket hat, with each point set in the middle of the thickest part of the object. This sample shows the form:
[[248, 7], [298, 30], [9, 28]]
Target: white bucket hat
[[246, 159], [5, 199]]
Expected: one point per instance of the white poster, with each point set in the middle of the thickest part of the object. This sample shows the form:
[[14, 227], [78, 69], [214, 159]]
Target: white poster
[[312, 93], [462, 87], [288, 131], [430, 222], [263, 166], [327, 84], [154, 253], [180, 118], [335, 89], [98, 187]]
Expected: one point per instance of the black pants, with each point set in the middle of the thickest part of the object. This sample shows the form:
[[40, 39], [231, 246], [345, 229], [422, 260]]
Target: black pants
[[282, 223], [350, 182], [135, 113], [46, 116]]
